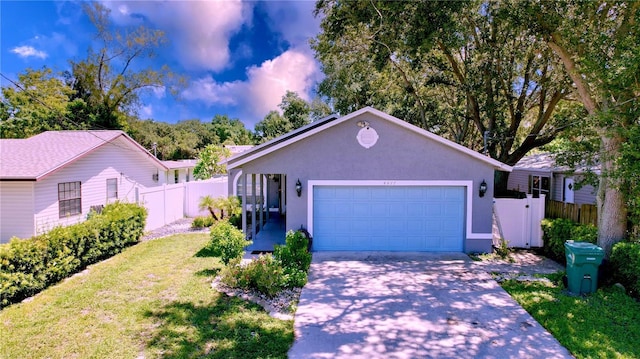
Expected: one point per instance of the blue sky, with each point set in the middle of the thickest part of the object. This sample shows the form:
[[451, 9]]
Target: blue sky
[[239, 57]]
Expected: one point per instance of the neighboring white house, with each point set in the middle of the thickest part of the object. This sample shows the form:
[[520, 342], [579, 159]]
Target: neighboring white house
[[56, 177], [179, 171]]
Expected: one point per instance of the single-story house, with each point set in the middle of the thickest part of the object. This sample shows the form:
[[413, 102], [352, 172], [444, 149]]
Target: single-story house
[[538, 174], [368, 181], [179, 171], [56, 178]]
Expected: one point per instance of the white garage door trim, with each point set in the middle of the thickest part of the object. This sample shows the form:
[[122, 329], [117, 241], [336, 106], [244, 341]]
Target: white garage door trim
[[388, 183]]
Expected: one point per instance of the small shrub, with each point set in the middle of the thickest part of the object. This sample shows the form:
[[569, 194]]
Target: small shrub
[[585, 233], [227, 241], [294, 258], [265, 275], [236, 220], [625, 260], [234, 274], [202, 222], [502, 249], [555, 232]]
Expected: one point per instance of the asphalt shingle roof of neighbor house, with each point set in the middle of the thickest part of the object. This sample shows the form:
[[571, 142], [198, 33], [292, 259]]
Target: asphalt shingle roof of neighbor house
[[35, 157], [173, 165], [547, 162]]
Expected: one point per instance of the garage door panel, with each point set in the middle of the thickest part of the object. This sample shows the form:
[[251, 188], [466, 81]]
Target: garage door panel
[[379, 210], [402, 218]]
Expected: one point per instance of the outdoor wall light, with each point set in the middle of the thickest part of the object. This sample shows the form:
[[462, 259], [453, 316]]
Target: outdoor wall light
[[483, 188], [299, 188], [363, 124]]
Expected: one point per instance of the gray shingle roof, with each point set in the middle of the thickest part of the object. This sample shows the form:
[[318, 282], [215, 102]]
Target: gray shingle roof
[[37, 156], [547, 162]]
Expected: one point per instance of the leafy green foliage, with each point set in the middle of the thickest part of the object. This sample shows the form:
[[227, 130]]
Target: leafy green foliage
[[201, 222], [625, 260], [229, 206], [29, 265], [227, 241], [294, 258], [296, 112], [555, 232], [265, 274], [230, 131], [458, 69], [209, 162], [272, 126], [503, 250], [268, 274], [110, 80], [40, 102]]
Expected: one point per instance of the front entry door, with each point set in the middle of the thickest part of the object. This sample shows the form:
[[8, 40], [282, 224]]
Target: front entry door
[[568, 189]]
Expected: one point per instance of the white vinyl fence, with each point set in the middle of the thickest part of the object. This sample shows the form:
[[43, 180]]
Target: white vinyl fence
[[216, 187], [167, 203], [518, 221]]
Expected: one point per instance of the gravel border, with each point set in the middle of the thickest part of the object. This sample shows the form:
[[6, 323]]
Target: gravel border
[[178, 227]]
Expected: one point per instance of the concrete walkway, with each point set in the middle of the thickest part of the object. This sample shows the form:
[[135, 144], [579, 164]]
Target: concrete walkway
[[422, 305]]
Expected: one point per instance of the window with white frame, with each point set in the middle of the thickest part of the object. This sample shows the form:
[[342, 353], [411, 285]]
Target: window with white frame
[[176, 176], [112, 189], [539, 185], [69, 199]]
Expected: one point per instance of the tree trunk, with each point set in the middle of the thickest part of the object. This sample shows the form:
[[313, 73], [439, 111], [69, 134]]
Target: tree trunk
[[612, 210], [213, 213]]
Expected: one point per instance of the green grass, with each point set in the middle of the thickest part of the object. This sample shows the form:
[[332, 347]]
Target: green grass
[[154, 300], [605, 324]]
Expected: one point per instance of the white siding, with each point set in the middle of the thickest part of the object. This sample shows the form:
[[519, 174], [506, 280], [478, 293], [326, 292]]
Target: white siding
[[119, 160], [16, 210], [519, 180]]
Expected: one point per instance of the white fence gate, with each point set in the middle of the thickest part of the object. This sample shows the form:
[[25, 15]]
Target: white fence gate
[[518, 221], [168, 203]]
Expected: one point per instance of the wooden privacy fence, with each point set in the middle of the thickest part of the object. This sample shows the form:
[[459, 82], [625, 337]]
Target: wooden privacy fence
[[583, 214]]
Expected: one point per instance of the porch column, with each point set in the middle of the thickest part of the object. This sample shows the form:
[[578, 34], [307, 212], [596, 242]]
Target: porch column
[[253, 207], [266, 200], [243, 180], [261, 201]]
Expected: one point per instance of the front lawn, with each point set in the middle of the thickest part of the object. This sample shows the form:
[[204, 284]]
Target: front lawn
[[154, 300], [605, 324]]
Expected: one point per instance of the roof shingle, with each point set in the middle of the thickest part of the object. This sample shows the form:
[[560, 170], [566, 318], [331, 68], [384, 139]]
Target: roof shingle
[[35, 157]]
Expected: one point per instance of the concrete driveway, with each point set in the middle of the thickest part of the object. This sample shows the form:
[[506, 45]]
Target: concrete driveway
[[422, 305]]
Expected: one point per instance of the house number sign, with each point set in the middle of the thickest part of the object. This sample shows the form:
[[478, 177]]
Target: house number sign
[[367, 137]]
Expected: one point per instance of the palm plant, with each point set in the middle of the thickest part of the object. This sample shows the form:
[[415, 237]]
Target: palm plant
[[209, 203]]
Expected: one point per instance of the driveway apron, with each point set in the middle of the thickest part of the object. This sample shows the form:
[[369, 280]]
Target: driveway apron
[[412, 305]]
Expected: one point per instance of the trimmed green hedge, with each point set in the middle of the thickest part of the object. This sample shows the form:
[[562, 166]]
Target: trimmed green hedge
[[557, 231], [28, 266], [625, 260]]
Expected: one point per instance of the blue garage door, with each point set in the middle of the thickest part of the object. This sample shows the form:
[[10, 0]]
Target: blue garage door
[[397, 218]]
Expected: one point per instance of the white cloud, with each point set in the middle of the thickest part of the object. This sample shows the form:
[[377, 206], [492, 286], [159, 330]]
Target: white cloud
[[146, 112], [159, 91], [29, 51], [199, 30], [293, 70]]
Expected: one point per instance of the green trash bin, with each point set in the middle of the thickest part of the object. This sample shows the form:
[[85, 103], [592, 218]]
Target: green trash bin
[[583, 260]]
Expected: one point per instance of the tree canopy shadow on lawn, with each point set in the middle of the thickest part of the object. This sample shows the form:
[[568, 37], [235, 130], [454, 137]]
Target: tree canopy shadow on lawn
[[226, 327], [205, 252]]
